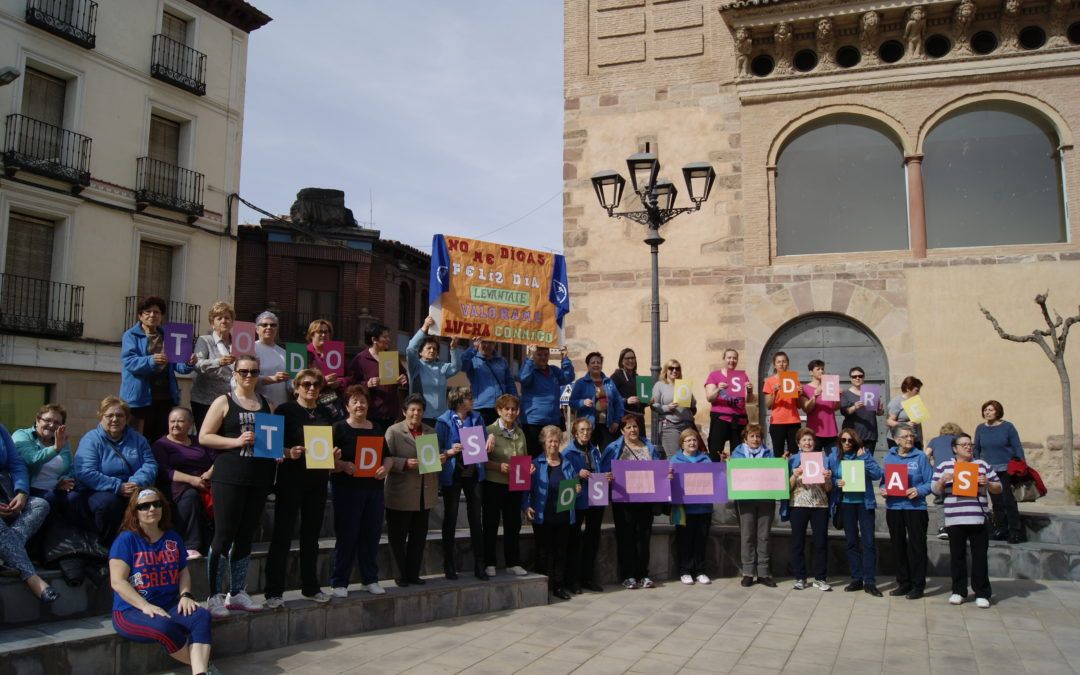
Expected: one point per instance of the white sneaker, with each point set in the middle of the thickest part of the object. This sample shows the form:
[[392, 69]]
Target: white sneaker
[[800, 584], [215, 604], [822, 585], [687, 579], [340, 591], [517, 570], [630, 584], [319, 597], [956, 599], [241, 601], [703, 579], [374, 588], [192, 554], [982, 603], [273, 602], [489, 570], [647, 583]]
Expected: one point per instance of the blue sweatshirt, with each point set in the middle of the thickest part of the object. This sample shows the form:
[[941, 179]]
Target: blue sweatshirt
[[920, 474], [584, 390], [447, 428], [99, 468], [601, 463], [681, 457], [744, 451], [537, 495], [873, 473], [137, 370], [11, 463], [998, 444], [615, 449], [489, 378], [540, 391], [429, 378]]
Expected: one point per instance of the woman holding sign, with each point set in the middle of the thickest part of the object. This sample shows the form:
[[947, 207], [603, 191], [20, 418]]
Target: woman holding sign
[[147, 378], [595, 469], [365, 369], [595, 398], [625, 378], [675, 408], [905, 484], [461, 474], [781, 391], [857, 467], [299, 490], [506, 448], [358, 483], [755, 515], [821, 399], [549, 505], [633, 522], [412, 487], [692, 535], [274, 383], [911, 386], [811, 482], [861, 405], [213, 361], [728, 390], [240, 484], [328, 358]]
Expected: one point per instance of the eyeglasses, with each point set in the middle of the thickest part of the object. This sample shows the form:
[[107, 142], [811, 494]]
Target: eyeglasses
[[310, 385], [50, 421], [903, 437], [964, 444], [856, 376], [267, 325], [244, 372], [847, 440], [114, 416], [322, 332], [146, 506]]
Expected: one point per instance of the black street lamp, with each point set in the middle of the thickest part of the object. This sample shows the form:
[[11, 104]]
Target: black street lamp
[[657, 196]]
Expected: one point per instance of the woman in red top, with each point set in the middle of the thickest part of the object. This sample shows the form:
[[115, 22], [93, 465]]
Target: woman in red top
[[784, 418]]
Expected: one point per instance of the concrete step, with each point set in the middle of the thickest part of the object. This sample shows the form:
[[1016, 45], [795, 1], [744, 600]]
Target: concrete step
[[92, 647]]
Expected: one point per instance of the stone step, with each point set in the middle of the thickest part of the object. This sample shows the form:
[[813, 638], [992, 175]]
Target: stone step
[[90, 646]]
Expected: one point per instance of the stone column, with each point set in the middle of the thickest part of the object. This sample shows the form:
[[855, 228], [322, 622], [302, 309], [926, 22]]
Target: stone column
[[916, 210]]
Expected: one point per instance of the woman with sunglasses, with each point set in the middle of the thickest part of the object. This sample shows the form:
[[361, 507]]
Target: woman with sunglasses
[[152, 599], [240, 484], [674, 418], [274, 384], [856, 414], [857, 514], [298, 491]]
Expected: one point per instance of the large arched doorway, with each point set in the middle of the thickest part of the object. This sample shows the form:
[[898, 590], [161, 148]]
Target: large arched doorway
[[840, 342]]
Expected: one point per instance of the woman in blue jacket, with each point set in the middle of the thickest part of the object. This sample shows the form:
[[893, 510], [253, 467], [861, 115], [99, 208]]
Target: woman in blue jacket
[[583, 546], [147, 379], [112, 463], [755, 515], [692, 536], [857, 514], [551, 526], [596, 398], [427, 374], [457, 477], [906, 516], [633, 521], [810, 504], [541, 387]]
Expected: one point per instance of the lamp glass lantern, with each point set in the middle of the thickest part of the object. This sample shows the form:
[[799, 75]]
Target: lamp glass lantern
[[665, 193], [609, 186], [643, 167], [699, 177]]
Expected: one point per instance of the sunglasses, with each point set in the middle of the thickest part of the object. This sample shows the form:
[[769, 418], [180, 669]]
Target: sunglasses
[[856, 376], [679, 368], [310, 385], [146, 506], [847, 440], [244, 372], [267, 325]]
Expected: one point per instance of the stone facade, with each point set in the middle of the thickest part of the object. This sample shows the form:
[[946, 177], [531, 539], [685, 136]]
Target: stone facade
[[722, 282]]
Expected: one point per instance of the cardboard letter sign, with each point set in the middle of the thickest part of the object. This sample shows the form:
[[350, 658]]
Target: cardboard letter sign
[[295, 357], [703, 483], [965, 482], [757, 478], [178, 339], [643, 387], [389, 368], [896, 480], [269, 436], [813, 468], [368, 456], [871, 396], [473, 448], [915, 409], [598, 489], [520, 479], [319, 447], [640, 481], [789, 386], [684, 391], [243, 338], [427, 453], [737, 381], [567, 495], [853, 471], [334, 351], [830, 387]]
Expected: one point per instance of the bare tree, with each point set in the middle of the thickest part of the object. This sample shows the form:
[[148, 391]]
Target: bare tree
[[1052, 341]]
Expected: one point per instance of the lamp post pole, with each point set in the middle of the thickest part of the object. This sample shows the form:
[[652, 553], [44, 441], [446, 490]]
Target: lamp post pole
[[653, 239]]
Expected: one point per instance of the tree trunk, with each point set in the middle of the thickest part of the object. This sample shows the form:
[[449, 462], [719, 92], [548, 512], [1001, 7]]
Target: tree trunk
[[1067, 463]]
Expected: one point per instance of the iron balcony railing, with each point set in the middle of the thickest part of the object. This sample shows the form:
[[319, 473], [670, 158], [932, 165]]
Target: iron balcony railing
[[40, 306], [44, 149], [168, 186], [176, 63], [176, 312], [73, 20]]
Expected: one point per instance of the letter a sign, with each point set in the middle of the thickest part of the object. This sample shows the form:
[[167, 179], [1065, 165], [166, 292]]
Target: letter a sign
[[896, 480]]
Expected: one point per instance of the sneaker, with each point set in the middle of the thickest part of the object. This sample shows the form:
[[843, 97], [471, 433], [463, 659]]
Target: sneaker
[[340, 591], [319, 597], [215, 604], [822, 585], [630, 584], [647, 583], [982, 603], [274, 602], [702, 579], [192, 554], [747, 581], [687, 579], [241, 601], [489, 570], [49, 596], [956, 599], [374, 588], [800, 584], [517, 570], [941, 533]]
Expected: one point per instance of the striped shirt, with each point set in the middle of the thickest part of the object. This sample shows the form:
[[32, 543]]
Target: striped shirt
[[965, 510]]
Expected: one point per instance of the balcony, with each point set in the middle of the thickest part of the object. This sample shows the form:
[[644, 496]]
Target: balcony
[[73, 20], [40, 307], [177, 312], [168, 187], [46, 150], [179, 65]]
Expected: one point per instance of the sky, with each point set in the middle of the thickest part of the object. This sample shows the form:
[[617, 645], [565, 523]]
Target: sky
[[448, 114]]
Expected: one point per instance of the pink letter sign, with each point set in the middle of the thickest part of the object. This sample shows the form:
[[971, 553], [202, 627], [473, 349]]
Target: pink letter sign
[[813, 468], [896, 480], [737, 381], [520, 479], [636, 481], [178, 339], [473, 448], [243, 338], [757, 478], [830, 387], [598, 489], [702, 483], [335, 357]]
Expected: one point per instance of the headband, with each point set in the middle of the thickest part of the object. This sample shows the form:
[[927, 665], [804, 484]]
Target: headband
[[146, 493]]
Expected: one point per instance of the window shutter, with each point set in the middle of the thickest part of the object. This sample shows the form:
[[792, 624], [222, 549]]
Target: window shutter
[[43, 97], [174, 27], [164, 140], [155, 270], [29, 247]]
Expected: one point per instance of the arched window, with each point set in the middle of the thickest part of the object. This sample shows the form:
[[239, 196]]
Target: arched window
[[406, 313], [991, 176], [840, 187]]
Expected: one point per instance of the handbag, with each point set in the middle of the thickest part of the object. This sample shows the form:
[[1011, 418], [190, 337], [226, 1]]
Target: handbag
[[1025, 491]]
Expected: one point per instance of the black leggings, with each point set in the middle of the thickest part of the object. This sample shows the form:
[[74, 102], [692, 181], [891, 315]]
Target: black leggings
[[722, 431], [237, 512], [783, 438]]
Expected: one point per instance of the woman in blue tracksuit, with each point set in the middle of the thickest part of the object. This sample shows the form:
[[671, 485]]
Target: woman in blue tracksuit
[[633, 521], [457, 477], [427, 375], [692, 536], [857, 514], [541, 387], [906, 516], [551, 527], [583, 547], [596, 398]]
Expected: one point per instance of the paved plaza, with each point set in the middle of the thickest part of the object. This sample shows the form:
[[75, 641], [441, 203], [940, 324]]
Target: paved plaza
[[1032, 627]]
